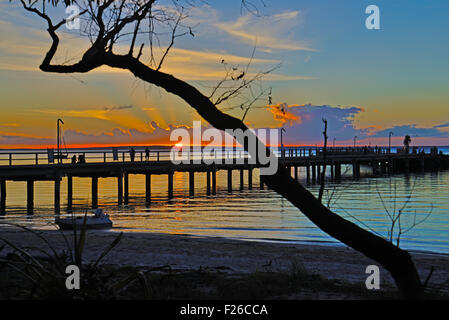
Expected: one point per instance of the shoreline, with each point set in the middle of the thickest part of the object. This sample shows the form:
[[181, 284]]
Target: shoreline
[[184, 252]]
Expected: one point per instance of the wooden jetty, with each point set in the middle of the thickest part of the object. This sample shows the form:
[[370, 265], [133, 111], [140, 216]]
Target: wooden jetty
[[30, 167]]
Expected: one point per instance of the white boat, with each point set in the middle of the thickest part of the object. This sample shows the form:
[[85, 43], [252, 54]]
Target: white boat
[[98, 221]]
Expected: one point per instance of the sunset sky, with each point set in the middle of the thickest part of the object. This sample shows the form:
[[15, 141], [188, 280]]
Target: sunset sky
[[364, 82]]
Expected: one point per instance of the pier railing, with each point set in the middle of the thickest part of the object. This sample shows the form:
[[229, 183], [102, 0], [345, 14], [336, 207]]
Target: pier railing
[[40, 157], [106, 156]]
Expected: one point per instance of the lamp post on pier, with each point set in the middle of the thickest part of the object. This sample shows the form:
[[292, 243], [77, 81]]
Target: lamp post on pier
[[389, 141], [59, 140]]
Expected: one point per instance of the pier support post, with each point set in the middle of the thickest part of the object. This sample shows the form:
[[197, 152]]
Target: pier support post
[[94, 192], [148, 188], [214, 181], [423, 165], [126, 189], [261, 181], [250, 179], [208, 182], [338, 171], [229, 180], [241, 180], [170, 185], [2, 197], [390, 166], [57, 195], [120, 189], [407, 165], [332, 170], [383, 167], [69, 192], [296, 172], [313, 173], [308, 173], [356, 169], [30, 197], [318, 175], [374, 167], [191, 184]]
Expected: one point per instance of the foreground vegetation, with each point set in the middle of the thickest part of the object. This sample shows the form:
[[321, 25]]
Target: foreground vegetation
[[122, 282], [42, 276]]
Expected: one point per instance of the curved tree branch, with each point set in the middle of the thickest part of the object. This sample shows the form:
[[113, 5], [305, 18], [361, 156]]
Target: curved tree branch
[[398, 262], [394, 259]]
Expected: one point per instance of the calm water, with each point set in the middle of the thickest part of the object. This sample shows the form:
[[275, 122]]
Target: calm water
[[257, 214]]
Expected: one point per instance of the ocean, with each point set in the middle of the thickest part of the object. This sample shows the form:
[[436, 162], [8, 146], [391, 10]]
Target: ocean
[[253, 215]]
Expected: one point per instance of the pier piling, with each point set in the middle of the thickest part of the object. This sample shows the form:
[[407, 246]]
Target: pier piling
[[120, 189], [2, 197], [170, 185], [308, 172], [337, 171], [126, 188], [69, 192], [30, 197], [230, 181], [208, 182], [191, 184], [94, 192], [214, 182], [355, 169], [57, 195], [147, 188]]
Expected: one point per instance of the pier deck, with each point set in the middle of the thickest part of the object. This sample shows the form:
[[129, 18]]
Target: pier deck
[[30, 167]]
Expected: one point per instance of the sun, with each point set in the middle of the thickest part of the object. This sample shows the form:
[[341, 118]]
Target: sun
[[179, 145]]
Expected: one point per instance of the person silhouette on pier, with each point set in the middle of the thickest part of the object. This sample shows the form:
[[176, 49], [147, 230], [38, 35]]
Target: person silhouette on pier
[[81, 159], [132, 154], [147, 154]]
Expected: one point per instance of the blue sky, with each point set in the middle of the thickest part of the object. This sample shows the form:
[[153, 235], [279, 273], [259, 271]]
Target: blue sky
[[397, 78]]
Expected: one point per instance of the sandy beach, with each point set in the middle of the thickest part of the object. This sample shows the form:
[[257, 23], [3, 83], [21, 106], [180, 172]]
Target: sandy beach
[[182, 252]]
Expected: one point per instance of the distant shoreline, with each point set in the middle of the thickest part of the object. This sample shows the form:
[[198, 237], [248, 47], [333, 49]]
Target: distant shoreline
[[44, 149]]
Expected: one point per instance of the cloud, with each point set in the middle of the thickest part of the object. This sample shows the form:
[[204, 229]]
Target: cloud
[[9, 125], [8, 139], [281, 113], [22, 48], [154, 135], [268, 32], [204, 65], [118, 108], [414, 131], [304, 123], [444, 125], [101, 113]]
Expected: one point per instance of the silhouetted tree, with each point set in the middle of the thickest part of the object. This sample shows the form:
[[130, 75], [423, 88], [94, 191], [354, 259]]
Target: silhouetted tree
[[108, 21]]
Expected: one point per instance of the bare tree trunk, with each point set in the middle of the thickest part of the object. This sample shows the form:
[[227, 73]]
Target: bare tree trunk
[[397, 261]]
